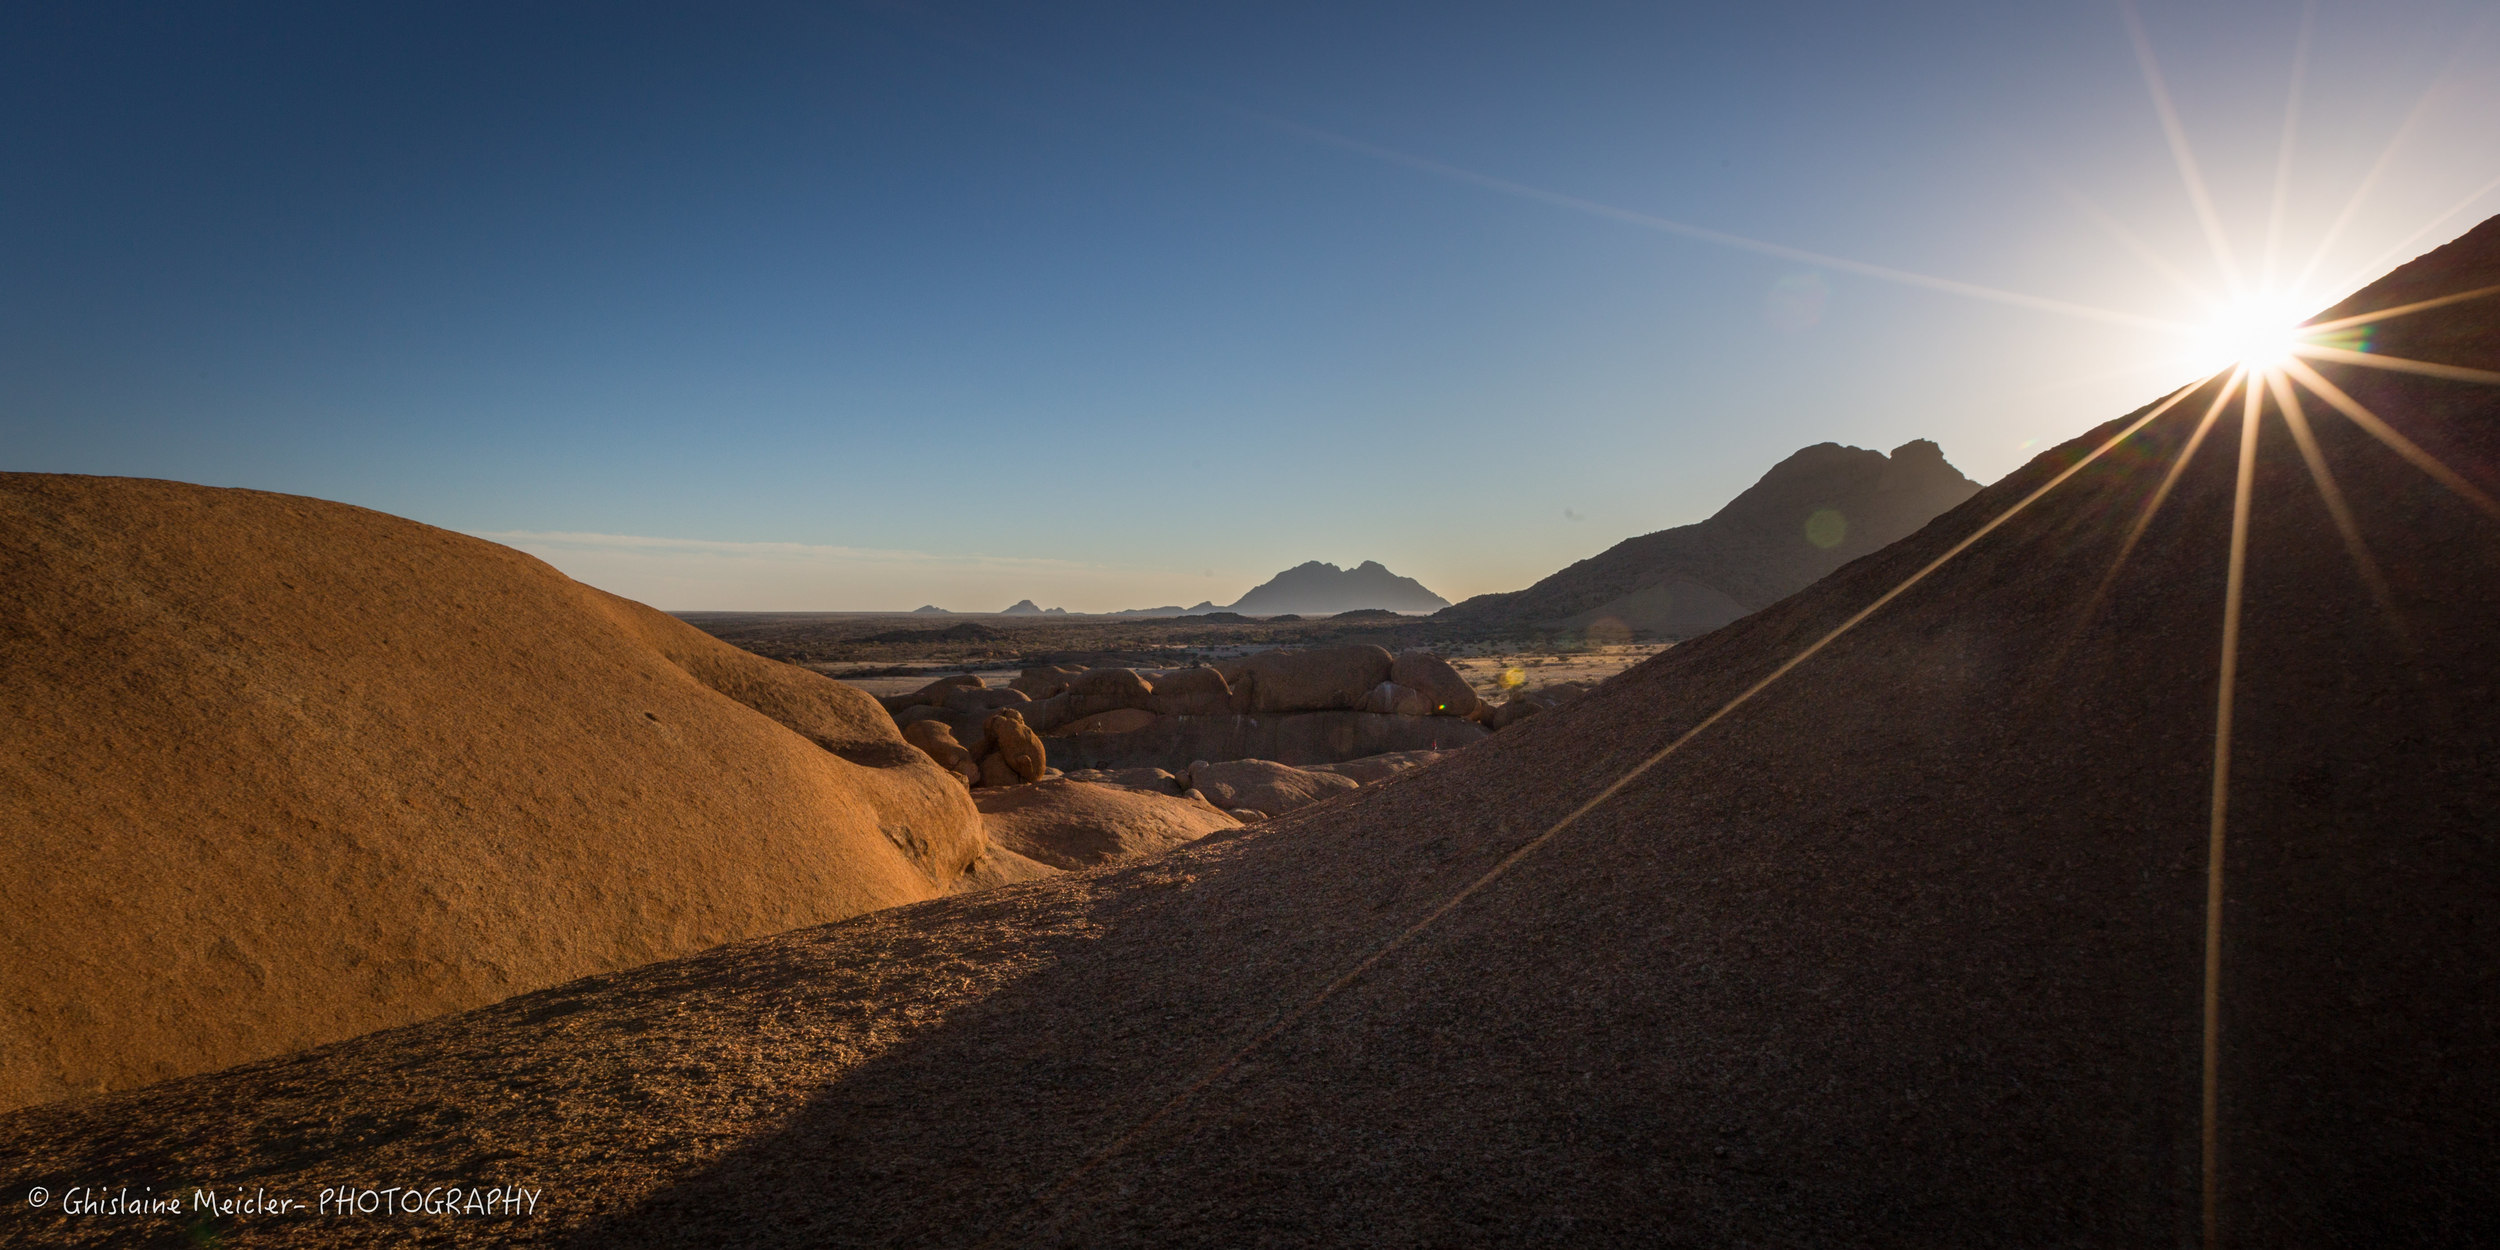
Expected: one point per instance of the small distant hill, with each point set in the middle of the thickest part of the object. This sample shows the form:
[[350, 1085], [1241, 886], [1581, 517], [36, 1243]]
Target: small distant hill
[[930, 609], [1024, 607], [1819, 509], [1317, 589]]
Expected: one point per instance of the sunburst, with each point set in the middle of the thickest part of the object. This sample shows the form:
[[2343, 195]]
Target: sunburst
[[2254, 344]]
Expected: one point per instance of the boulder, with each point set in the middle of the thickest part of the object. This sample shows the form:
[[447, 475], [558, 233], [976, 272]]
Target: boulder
[[1300, 738], [1070, 825], [999, 866], [1313, 680], [1154, 779], [996, 773], [937, 741], [976, 699], [1044, 715], [971, 729], [1192, 692], [1520, 707], [1265, 785], [1108, 690], [932, 694], [1373, 768], [1117, 721], [1017, 745], [1443, 689], [1391, 699], [276, 772], [1045, 681]]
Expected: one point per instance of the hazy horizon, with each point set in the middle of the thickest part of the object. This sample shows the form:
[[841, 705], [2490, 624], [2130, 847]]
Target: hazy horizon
[[1114, 306]]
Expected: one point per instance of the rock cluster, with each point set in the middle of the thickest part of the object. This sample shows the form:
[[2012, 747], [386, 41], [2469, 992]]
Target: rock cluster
[[1319, 705]]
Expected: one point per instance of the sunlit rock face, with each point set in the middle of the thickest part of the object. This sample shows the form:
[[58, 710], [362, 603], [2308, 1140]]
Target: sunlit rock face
[[1813, 512], [277, 771]]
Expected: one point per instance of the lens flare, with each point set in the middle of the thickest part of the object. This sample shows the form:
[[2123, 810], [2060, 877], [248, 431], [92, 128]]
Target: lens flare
[[2254, 334]]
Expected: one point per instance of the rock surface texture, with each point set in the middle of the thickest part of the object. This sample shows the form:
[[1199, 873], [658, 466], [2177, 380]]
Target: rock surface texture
[[277, 771], [1265, 785], [1073, 825]]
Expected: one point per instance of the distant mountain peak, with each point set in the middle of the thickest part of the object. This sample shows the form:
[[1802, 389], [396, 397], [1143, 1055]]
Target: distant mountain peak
[[1318, 588], [1819, 508]]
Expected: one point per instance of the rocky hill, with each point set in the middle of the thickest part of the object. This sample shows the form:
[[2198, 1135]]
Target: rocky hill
[[277, 771], [1813, 512], [1318, 589]]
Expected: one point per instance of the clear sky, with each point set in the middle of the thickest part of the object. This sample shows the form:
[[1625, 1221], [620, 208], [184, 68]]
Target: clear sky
[[1111, 305]]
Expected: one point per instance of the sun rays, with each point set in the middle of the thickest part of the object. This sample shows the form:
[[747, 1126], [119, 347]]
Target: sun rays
[[2251, 344]]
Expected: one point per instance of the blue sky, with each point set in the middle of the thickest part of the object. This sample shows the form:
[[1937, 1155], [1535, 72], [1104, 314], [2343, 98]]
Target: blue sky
[[864, 306]]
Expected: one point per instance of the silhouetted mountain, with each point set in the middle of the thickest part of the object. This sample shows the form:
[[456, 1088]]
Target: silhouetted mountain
[[1813, 512], [1317, 589], [1024, 607], [930, 609]]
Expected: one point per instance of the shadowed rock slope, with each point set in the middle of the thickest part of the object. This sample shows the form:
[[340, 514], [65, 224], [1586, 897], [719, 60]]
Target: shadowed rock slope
[[276, 771], [1813, 512], [1907, 950]]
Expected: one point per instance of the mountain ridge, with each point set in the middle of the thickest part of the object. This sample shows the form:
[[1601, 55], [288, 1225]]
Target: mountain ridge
[[1814, 511]]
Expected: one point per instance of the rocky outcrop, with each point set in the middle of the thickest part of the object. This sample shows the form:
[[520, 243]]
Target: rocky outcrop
[[938, 742], [1071, 825], [1372, 768], [1107, 689], [1044, 681], [1158, 780], [1315, 679], [1191, 692], [1171, 742], [1265, 785], [1016, 746], [931, 695], [1314, 706], [975, 699], [1117, 721], [1391, 699], [1445, 692], [276, 771]]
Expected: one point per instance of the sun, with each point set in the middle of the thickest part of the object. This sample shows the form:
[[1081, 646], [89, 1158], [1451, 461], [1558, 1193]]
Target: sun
[[2258, 334]]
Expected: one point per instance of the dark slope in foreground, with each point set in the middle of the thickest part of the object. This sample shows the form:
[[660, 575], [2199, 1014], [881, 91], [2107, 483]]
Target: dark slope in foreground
[[1906, 951], [1813, 512]]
